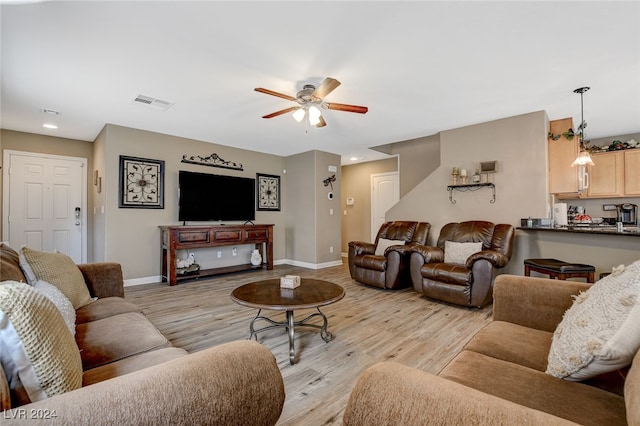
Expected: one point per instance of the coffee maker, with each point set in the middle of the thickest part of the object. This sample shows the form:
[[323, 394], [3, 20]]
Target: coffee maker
[[628, 214]]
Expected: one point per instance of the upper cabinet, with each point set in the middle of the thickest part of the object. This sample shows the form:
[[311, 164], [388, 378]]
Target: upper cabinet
[[632, 172], [606, 176], [615, 174], [564, 180]]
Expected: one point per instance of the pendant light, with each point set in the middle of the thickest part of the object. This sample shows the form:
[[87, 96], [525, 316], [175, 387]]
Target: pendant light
[[584, 158]]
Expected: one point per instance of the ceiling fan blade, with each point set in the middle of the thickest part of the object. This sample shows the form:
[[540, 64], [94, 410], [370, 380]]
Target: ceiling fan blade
[[327, 86], [272, 93], [282, 111], [322, 123], [347, 108]]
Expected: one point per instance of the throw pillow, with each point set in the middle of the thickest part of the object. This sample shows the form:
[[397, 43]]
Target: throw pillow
[[59, 270], [26, 268], [62, 303], [37, 351], [384, 243], [459, 252], [600, 332]]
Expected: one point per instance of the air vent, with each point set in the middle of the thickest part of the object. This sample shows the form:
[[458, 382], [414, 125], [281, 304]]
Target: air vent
[[154, 103]]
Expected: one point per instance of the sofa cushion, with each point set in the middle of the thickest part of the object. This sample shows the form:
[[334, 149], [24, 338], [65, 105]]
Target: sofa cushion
[[513, 343], [37, 351], [577, 402], [383, 244], [601, 330], [10, 265], [117, 337], [103, 308], [59, 270], [63, 304], [455, 252], [131, 364]]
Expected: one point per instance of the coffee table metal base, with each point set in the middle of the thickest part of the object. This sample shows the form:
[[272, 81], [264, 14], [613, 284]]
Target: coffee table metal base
[[289, 324]]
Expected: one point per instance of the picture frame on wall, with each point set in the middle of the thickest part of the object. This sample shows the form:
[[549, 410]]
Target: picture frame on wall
[[141, 183], [267, 192]]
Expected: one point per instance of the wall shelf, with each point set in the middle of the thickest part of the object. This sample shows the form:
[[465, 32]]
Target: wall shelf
[[472, 187]]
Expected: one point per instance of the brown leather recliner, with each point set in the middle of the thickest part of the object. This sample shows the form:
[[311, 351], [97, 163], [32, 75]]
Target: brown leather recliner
[[391, 270], [469, 284]]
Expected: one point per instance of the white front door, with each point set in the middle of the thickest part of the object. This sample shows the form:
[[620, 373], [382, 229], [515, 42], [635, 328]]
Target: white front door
[[385, 193], [44, 203]]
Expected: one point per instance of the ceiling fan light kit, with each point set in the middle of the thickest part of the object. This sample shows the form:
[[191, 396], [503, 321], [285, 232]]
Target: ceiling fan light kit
[[311, 99]]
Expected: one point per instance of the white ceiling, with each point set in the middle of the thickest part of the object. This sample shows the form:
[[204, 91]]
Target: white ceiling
[[420, 67]]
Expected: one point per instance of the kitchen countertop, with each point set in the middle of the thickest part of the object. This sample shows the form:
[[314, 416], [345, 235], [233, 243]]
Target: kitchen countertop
[[632, 231]]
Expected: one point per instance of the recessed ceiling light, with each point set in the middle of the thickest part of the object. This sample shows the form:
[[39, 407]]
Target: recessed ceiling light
[[50, 126], [353, 158]]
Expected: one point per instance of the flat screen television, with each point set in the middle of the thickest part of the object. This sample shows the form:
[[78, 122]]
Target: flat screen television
[[209, 197]]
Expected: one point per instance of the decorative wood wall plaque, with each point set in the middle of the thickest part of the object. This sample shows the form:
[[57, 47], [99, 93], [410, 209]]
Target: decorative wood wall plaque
[[212, 160]]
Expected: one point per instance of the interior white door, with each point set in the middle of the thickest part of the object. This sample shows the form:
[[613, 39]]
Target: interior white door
[[44, 198], [385, 193]]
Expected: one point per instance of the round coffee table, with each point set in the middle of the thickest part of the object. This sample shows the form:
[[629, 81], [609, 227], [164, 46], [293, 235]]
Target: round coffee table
[[267, 294]]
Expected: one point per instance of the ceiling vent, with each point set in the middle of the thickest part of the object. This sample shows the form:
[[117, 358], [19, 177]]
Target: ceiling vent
[[154, 103]]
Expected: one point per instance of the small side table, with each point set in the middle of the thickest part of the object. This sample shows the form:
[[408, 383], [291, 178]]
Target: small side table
[[559, 269]]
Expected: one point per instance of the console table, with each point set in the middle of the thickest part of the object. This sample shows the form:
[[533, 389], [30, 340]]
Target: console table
[[189, 237]]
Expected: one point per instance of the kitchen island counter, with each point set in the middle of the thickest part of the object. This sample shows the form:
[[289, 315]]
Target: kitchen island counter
[[632, 231]]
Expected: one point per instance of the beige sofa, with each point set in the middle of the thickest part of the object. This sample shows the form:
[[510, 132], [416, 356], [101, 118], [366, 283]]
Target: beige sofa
[[133, 375], [499, 377]]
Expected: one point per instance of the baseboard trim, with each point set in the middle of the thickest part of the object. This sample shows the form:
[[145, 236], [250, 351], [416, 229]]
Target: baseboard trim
[[143, 280], [311, 265], [158, 278]]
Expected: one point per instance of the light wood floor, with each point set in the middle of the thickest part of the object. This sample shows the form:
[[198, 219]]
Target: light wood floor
[[369, 326]]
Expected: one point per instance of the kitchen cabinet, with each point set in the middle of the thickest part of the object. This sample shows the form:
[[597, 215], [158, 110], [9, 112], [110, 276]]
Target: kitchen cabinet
[[564, 180], [632, 172], [615, 174], [606, 176]]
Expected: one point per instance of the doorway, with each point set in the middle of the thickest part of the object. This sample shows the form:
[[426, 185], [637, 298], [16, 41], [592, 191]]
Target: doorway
[[44, 203], [385, 193]]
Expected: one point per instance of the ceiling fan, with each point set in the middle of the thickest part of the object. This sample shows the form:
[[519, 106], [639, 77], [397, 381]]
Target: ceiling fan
[[310, 99]]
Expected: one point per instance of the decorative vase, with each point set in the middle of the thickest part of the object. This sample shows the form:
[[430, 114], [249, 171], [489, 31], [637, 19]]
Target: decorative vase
[[256, 258]]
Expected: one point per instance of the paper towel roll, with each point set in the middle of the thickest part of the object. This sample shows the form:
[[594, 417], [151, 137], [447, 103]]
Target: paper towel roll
[[560, 214]]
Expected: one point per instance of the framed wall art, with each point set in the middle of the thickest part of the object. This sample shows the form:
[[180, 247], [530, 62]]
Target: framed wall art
[[141, 183], [267, 192]]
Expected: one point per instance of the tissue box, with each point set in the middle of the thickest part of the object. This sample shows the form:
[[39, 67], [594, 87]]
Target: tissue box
[[290, 281]]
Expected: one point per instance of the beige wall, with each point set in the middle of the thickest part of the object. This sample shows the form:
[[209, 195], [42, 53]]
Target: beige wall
[[518, 144], [311, 229], [300, 206], [19, 141], [356, 183], [131, 235], [328, 215], [417, 158]]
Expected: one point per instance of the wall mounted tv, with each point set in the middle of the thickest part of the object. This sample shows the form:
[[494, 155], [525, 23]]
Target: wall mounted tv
[[209, 197]]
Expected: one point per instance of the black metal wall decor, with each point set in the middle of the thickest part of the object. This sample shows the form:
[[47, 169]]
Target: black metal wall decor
[[141, 183], [212, 160], [268, 193], [329, 181]]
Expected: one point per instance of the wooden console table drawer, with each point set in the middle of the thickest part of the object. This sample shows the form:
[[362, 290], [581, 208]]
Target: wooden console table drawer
[[256, 234], [230, 235], [174, 238], [192, 237]]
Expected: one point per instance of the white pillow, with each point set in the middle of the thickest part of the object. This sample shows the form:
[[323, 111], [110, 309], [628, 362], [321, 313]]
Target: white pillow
[[37, 351], [600, 332], [460, 252], [60, 300], [384, 243]]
